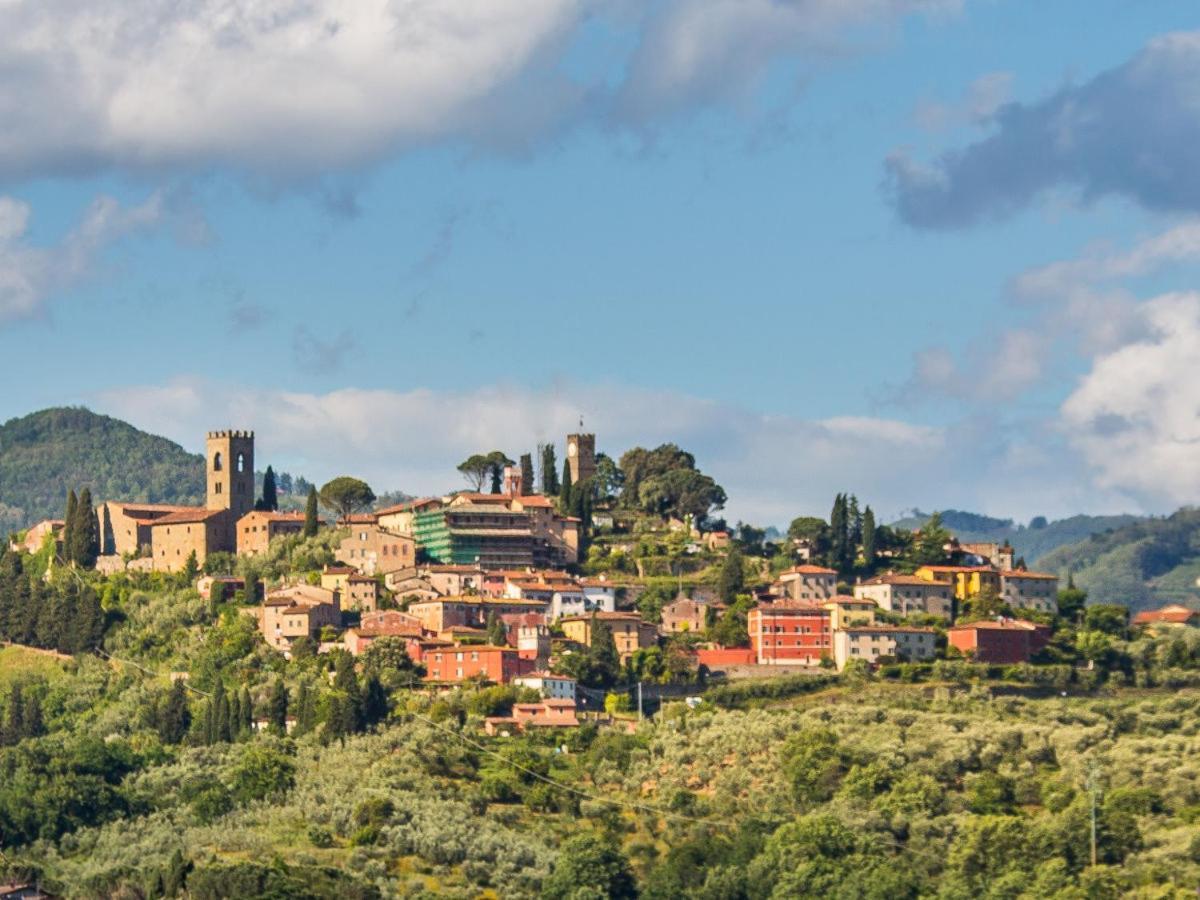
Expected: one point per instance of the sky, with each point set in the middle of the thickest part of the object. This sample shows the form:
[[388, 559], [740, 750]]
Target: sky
[[937, 253]]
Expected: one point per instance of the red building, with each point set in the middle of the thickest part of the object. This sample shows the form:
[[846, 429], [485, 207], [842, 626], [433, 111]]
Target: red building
[[789, 634], [458, 663], [1002, 641]]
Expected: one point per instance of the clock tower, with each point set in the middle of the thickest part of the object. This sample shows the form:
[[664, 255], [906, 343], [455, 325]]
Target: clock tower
[[581, 456]]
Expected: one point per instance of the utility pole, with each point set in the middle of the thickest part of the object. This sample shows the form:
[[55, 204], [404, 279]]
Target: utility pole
[[1091, 787]]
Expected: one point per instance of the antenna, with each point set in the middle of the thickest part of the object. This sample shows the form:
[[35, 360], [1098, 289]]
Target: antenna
[[581, 424]]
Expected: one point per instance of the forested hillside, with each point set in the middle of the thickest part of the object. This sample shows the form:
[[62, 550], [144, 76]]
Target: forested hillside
[[44, 453], [1142, 564], [1033, 541]]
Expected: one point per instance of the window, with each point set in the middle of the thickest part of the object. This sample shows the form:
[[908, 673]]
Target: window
[[217, 462], [241, 462], [217, 488]]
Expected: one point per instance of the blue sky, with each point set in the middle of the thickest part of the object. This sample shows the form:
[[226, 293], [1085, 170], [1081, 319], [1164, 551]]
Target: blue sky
[[937, 253]]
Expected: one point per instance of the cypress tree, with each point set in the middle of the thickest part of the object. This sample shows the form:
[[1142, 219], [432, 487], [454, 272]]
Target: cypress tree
[[346, 682], [277, 706], [247, 723], [603, 649], [221, 726], [209, 731], [68, 532], [497, 634], [526, 474], [270, 494], [33, 717], [732, 579], [14, 725], [175, 717], [235, 715], [375, 701], [549, 471], [89, 529], [564, 491], [311, 523], [868, 538], [191, 568], [306, 718]]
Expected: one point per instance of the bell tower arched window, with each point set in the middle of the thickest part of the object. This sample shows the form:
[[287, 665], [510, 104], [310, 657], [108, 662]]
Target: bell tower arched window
[[216, 462], [241, 462]]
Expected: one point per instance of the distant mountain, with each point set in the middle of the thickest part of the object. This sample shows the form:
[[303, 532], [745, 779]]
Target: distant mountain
[[1144, 564], [44, 454], [1033, 541]]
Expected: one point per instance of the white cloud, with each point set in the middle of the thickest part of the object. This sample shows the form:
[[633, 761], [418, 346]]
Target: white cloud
[[30, 274], [774, 467], [1135, 416], [290, 88], [982, 99]]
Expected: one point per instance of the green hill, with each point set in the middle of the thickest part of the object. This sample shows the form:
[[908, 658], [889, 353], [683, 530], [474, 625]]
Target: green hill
[[1143, 564], [1033, 541], [45, 453]]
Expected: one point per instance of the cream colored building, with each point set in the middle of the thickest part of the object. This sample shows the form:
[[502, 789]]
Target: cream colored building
[[870, 643], [1029, 590], [807, 584], [372, 550], [298, 611], [908, 594], [845, 612]]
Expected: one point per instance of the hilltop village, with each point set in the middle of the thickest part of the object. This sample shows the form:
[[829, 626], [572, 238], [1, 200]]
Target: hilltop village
[[545, 583]]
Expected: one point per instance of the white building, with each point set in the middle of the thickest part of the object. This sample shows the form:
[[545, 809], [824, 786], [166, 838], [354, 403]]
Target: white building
[[552, 687], [908, 594], [870, 642]]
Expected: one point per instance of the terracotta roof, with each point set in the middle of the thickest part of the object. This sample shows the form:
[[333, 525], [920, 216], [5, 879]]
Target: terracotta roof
[[959, 568], [603, 617], [188, 516], [996, 625], [808, 570], [1173, 614], [908, 580], [852, 601], [909, 629], [534, 500], [409, 505], [360, 579], [808, 609], [1017, 573], [338, 570], [275, 515]]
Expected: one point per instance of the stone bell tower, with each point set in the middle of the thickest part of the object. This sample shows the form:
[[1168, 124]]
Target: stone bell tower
[[581, 456], [229, 462]]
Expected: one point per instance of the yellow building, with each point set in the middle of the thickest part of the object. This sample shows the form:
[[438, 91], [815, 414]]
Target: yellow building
[[847, 611], [967, 581]]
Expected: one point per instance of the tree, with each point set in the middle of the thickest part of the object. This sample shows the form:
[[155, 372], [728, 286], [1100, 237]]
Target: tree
[[311, 522], [589, 867], [497, 463], [549, 471], [564, 491], [306, 710], [868, 537], [930, 546], [526, 474], [87, 531], [1071, 601], [603, 648], [191, 569], [175, 716], [270, 495], [475, 469], [496, 632], [680, 493], [345, 496], [277, 707], [732, 579], [69, 524], [609, 479]]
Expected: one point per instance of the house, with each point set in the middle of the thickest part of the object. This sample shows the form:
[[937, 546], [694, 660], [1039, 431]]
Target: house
[[175, 537], [715, 541], [453, 664], [440, 613], [847, 611], [301, 610], [228, 584], [398, 519], [874, 642], [472, 529], [1000, 641], [372, 550], [684, 614], [335, 578], [530, 634], [362, 593], [451, 579], [600, 593], [125, 527], [549, 685], [998, 556], [1029, 590], [806, 584], [908, 594], [1173, 616], [629, 632], [966, 581], [37, 534], [257, 528], [405, 585], [549, 713], [789, 634]]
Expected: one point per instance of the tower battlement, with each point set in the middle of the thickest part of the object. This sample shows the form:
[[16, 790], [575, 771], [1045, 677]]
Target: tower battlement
[[215, 435]]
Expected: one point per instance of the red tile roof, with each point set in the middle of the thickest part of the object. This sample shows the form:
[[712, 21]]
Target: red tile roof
[[1174, 614], [188, 516], [808, 570]]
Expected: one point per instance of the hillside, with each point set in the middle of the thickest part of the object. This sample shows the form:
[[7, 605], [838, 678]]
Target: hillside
[[1032, 543], [1143, 564], [45, 453]]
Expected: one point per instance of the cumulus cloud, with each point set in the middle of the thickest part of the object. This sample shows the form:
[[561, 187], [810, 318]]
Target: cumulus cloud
[[774, 467], [31, 274], [1130, 132], [291, 88], [983, 98], [1135, 416]]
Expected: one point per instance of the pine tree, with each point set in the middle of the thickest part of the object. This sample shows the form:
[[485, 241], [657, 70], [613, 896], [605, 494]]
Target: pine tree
[[311, 523], [526, 474], [868, 538], [270, 495], [277, 707], [69, 519], [549, 471], [564, 490]]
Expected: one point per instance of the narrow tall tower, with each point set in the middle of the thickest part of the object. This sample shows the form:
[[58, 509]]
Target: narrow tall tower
[[581, 456], [230, 466]]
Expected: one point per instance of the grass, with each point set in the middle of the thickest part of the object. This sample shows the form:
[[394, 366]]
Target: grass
[[21, 664]]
